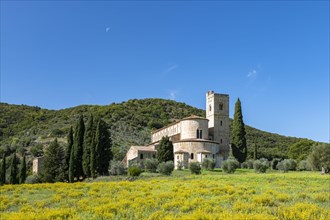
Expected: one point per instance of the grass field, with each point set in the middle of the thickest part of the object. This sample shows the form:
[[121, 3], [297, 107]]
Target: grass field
[[212, 195]]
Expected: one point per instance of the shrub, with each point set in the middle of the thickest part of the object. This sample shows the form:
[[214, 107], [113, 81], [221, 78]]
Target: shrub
[[286, 165], [135, 164], [150, 165], [250, 163], [274, 163], [260, 166], [166, 167], [134, 171], [283, 165], [264, 160], [116, 168], [208, 164], [304, 165], [32, 179], [230, 165], [195, 167], [179, 165], [320, 157], [244, 165], [292, 164], [247, 164]]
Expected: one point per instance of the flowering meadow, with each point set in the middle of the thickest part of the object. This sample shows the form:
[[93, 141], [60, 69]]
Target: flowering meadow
[[212, 195]]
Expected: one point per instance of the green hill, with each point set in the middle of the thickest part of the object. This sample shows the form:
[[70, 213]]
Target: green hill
[[22, 127]]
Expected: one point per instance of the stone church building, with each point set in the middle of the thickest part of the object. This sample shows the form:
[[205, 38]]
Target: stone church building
[[194, 138]]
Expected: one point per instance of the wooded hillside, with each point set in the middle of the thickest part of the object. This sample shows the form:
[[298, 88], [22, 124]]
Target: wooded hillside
[[131, 122]]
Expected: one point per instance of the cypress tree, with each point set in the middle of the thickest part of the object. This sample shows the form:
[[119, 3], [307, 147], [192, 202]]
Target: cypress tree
[[97, 147], [165, 150], [102, 148], [68, 152], [3, 170], [22, 171], [13, 170], [93, 158], [53, 163], [78, 148], [238, 141], [255, 153], [71, 167], [88, 138]]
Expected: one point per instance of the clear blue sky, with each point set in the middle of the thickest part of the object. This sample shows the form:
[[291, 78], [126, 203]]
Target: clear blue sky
[[273, 55]]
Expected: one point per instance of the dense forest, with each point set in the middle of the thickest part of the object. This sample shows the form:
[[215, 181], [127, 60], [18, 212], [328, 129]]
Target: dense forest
[[24, 128]]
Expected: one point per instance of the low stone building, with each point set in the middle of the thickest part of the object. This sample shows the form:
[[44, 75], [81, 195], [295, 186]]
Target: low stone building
[[137, 154], [194, 138]]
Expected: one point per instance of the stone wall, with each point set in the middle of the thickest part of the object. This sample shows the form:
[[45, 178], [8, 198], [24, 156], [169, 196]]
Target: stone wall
[[189, 128], [169, 131], [217, 111], [131, 154], [195, 147], [135, 152], [185, 129], [37, 165]]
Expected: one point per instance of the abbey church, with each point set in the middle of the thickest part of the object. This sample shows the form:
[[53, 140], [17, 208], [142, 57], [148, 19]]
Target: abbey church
[[194, 138]]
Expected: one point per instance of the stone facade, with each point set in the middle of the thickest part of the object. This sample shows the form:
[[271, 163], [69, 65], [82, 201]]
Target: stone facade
[[196, 150], [194, 138], [217, 112], [37, 165], [137, 154]]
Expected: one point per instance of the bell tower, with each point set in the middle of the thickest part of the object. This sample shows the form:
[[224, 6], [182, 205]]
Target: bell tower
[[217, 112]]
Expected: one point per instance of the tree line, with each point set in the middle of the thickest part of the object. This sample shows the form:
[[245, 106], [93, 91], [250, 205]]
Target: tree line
[[305, 153], [22, 127], [86, 155], [17, 172]]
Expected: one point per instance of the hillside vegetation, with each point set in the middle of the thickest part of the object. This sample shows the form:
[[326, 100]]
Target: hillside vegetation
[[130, 123]]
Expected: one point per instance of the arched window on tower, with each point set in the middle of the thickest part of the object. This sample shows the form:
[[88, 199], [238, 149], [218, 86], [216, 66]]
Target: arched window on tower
[[192, 156], [199, 134], [210, 108], [221, 123], [221, 107]]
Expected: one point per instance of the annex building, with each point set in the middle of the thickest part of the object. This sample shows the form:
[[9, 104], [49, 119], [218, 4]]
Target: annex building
[[194, 138]]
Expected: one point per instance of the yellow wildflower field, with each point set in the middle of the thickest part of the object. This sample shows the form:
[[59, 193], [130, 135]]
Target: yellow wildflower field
[[212, 195]]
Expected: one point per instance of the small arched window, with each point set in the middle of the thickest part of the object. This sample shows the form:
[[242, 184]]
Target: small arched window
[[220, 123], [192, 156], [210, 108], [221, 141], [141, 156], [221, 107], [199, 134]]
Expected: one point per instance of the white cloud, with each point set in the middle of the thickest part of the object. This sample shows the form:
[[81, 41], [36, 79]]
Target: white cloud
[[173, 94], [170, 68], [252, 74], [107, 29]]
